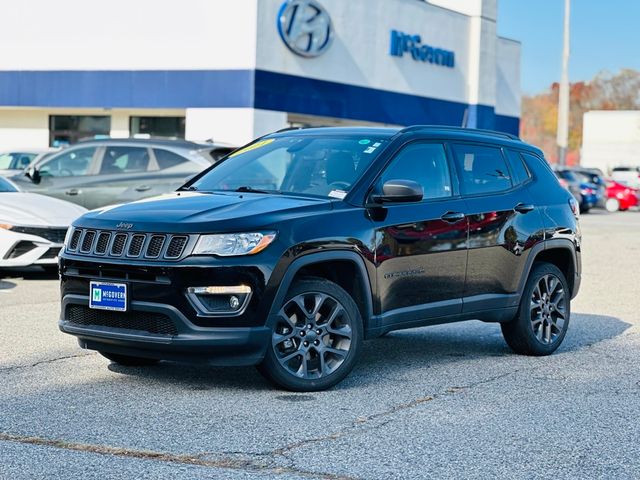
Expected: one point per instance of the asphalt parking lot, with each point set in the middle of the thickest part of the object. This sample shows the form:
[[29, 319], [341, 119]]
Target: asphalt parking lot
[[443, 402]]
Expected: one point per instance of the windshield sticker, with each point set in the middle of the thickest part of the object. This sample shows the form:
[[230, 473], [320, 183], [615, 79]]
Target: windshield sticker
[[370, 150], [339, 194], [364, 141], [253, 146]]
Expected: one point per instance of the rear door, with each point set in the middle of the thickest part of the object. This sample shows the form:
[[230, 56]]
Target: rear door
[[421, 247], [503, 224], [121, 169]]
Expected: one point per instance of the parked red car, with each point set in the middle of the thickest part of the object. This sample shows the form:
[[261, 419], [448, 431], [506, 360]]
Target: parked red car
[[620, 197]]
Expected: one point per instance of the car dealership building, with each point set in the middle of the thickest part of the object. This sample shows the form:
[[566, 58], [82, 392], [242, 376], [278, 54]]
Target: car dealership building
[[233, 70]]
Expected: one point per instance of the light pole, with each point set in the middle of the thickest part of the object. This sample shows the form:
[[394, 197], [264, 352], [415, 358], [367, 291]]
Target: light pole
[[563, 94]]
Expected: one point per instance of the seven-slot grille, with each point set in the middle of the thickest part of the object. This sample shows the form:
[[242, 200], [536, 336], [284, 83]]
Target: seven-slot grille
[[129, 245]]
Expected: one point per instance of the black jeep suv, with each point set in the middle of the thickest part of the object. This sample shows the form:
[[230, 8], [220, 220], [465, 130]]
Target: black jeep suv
[[294, 249]]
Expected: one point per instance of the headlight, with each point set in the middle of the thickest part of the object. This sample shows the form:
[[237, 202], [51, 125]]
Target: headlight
[[231, 244]]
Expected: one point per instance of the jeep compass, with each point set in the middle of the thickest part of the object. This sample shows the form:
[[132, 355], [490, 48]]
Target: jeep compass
[[294, 249]]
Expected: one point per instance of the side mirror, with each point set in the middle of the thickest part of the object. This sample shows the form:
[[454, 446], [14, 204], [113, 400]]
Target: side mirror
[[399, 191], [33, 174]]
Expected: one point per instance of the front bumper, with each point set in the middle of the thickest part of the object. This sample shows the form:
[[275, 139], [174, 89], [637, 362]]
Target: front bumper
[[187, 343]]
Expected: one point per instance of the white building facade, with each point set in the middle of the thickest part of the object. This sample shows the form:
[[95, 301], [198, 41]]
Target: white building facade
[[234, 70], [610, 138]]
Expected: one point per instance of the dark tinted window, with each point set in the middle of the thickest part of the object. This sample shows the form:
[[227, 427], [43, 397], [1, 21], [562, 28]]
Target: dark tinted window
[[124, 160], [482, 169], [518, 168], [425, 163]]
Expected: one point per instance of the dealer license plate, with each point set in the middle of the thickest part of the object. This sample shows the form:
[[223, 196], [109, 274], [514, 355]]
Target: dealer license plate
[[108, 296]]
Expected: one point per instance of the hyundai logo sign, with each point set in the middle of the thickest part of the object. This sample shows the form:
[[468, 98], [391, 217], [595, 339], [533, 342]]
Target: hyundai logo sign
[[402, 43], [305, 27]]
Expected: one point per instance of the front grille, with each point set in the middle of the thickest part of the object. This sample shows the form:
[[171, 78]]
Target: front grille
[[135, 247], [87, 241], [152, 246], [55, 235], [102, 243], [118, 244], [176, 246], [75, 239], [156, 323]]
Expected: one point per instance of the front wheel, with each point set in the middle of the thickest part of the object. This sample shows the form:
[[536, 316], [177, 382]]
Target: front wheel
[[316, 337], [543, 315]]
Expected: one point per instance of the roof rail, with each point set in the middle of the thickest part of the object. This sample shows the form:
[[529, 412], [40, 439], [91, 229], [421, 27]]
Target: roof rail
[[494, 133]]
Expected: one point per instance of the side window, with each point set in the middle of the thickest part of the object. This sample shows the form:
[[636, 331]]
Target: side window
[[425, 163], [71, 163], [124, 160], [520, 171], [177, 163], [482, 169]]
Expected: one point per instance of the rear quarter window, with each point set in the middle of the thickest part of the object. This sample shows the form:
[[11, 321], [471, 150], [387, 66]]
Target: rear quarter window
[[519, 170]]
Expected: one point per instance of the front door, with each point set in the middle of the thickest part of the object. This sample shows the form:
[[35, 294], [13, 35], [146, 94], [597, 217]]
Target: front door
[[421, 247]]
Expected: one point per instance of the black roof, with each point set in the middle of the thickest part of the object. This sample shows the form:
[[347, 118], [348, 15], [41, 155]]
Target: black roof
[[430, 130]]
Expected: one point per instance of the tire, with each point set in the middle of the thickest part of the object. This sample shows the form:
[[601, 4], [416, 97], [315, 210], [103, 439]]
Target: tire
[[612, 205], [316, 338], [128, 361], [542, 320], [584, 209]]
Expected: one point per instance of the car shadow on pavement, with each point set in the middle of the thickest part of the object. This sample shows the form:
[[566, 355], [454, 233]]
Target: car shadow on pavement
[[4, 285], [391, 355]]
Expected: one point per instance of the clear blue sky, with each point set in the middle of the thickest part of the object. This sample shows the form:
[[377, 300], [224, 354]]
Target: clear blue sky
[[605, 35]]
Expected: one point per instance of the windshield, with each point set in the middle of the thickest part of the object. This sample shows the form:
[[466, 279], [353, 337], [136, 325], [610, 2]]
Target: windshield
[[6, 186], [16, 160], [300, 164]]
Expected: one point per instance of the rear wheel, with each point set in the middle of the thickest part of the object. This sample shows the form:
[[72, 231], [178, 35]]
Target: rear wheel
[[612, 205], [543, 315], [129, 361], [316, 337]]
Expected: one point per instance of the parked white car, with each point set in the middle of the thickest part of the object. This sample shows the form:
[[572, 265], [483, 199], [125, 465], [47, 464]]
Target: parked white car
[[32, 227], [12, 162]]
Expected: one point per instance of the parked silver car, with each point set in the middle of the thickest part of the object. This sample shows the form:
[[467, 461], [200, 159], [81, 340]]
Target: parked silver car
[[105, 172]]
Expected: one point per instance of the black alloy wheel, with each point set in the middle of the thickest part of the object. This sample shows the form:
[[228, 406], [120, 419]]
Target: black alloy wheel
[[543, 316], [316, 337]]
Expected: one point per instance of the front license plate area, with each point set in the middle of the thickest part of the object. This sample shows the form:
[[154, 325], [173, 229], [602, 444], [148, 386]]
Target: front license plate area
[[108, 296]]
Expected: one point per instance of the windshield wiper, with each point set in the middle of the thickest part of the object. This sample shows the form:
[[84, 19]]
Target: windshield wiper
[[190, 188], [246, 188]]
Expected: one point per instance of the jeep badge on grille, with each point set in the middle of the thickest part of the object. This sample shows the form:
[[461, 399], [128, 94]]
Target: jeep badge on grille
[[124, 226]]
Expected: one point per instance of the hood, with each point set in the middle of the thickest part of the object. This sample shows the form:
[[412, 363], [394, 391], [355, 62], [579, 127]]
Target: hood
[[25, 208], [193, 212]]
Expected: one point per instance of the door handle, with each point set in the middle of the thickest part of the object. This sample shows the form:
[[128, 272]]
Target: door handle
[[142, 188], [453, 217], [72, 192], [523, 208]]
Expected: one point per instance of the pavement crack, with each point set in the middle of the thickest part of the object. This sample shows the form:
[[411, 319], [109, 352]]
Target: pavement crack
[[44, 362], [222, 462]]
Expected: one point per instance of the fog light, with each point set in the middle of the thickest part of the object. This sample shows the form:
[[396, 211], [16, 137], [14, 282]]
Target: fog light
[[218, 300], [234, 302]]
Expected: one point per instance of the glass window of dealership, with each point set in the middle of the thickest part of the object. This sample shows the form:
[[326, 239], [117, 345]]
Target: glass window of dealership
[[258, 66]]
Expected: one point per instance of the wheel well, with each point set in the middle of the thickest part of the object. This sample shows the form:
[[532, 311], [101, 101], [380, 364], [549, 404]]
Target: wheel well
[[561, 258], [344, 273]]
